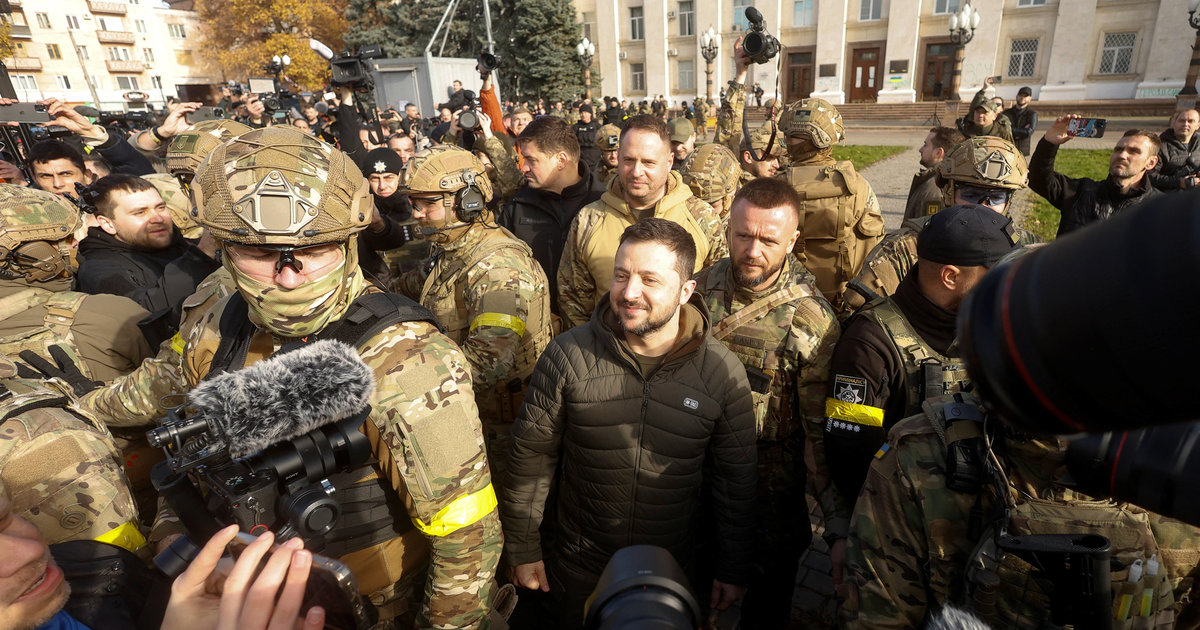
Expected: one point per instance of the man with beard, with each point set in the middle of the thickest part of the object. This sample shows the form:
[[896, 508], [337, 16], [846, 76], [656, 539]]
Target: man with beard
[[645, 187], [137, 251], [643, 408], [1179, 156], [683, 141], [1083, 201], [1023, 119], [924, 195], [984, 119], [767, 310]]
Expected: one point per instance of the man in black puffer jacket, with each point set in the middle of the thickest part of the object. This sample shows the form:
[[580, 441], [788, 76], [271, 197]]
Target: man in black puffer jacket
[[1179, 157], [640, 408]]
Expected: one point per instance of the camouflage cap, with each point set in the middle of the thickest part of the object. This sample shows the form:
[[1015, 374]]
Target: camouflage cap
[[189, 148], [816, 118], [440, 169], [681, 129], [712, 172], [608, 138], [280, 186], [33, 221], [985, 161]]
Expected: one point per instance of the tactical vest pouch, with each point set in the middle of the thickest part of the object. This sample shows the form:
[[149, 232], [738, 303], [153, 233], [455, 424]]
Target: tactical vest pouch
[[966, 470], [110, 586]]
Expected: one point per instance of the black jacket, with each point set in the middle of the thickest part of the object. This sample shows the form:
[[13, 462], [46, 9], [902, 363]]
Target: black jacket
[[585, 132], [1024, 121], [924, 195], [1175, 160], [155, 279], [634, 451], [542, 219], [1082, 201], [121, 155]]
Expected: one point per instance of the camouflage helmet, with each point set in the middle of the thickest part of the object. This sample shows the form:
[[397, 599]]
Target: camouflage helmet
[[761, 135], [35, 226], [608, 138], [985, 161], [712, 172], [815, 118], [280, 186], [441, 169], [188, 149]]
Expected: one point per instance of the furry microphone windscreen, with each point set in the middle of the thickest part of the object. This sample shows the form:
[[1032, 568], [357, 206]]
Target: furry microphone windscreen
[[284, 396], [950, 618]]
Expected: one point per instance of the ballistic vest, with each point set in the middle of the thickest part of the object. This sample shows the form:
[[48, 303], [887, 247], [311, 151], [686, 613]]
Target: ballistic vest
[[61, 308], [838, 230]]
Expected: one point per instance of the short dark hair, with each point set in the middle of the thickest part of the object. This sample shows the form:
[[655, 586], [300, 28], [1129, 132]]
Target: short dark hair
[[107, 186], [400, 135], [647, 122], [669, 234], [50, 150], [945, 138], [1155, 142], [768, 192], [551, 134]]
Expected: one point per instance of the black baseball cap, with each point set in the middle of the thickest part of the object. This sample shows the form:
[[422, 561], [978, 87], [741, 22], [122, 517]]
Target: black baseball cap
[[1025, 91], [967, 235]]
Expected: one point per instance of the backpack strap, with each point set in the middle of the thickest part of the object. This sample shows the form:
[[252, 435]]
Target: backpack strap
[[374, 312], [236, 331], [759, 308]]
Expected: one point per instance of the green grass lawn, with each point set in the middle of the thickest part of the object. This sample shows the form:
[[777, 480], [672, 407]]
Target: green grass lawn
[[863, 156], [1042, 218]]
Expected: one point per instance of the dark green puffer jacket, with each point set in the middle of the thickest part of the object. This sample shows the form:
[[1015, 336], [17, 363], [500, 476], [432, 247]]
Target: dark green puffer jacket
[[633, 451]]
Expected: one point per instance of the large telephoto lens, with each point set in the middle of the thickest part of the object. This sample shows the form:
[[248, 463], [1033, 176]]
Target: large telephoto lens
[[1095, 332]]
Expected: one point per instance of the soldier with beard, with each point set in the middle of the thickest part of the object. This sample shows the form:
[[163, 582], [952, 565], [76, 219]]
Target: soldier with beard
[[767, 310]]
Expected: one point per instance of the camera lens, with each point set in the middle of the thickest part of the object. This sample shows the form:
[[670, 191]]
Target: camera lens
[[468, 120], [753, 44]]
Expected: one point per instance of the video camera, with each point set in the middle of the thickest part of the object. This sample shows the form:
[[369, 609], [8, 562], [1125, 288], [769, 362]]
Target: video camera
[[759, 45], [489, 62], [129, 121], [350, 70]]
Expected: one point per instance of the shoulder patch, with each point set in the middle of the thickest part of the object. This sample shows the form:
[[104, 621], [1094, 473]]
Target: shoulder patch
[[850, 389]]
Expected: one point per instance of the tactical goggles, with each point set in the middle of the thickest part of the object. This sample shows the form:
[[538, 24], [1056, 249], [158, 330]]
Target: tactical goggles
[[985, 196], [265, 261]]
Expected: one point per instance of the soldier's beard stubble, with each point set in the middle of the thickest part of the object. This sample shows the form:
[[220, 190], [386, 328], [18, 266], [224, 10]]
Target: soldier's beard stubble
[[748, 281]]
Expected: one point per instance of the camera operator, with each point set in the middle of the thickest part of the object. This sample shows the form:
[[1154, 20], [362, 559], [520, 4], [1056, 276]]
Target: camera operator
[[255, 116], [458, 98]]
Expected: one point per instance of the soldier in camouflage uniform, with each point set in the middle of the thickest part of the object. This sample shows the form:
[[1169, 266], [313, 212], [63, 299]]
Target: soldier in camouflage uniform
[[647, 188], [712, 173], [295, 268], [37, 307], [482, 283], [608, 140], [772, 154], [61, 473], [984, 170], [767, 310], [841, 220], [917, 545]]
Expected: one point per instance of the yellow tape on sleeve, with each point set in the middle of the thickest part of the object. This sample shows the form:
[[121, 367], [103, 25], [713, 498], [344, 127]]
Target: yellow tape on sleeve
[[852, 412], [510, 322], [178, 344], [463, 511], [127, 536]]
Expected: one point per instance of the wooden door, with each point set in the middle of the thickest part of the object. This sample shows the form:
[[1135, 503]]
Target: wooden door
[[866, 72], [939, 71], [800, 76]]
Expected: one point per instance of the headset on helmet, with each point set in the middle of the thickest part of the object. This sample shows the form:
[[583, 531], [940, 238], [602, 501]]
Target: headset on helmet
[[469, 201]]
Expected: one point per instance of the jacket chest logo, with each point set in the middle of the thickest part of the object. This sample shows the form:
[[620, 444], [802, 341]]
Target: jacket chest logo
[[691, 403]]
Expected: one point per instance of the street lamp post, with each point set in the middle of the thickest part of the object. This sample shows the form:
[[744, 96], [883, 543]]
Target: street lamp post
[[586, 51], [708, 49], [962, 30], [277, 66], [1186, 99]]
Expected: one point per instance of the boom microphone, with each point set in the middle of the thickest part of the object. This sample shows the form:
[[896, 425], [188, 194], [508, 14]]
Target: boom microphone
[[284, 397], [320, 49]]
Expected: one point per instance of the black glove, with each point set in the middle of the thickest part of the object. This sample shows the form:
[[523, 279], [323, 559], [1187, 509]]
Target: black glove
[[65, 369]]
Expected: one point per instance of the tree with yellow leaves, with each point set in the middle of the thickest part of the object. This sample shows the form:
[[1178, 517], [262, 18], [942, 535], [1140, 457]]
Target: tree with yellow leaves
[[243, 35]]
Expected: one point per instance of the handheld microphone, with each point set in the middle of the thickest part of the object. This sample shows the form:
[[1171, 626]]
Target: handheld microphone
[[283, 397]]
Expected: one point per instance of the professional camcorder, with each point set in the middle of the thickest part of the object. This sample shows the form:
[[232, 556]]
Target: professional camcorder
[[136, 119], [759, 45], [489, 62], [350, 70]]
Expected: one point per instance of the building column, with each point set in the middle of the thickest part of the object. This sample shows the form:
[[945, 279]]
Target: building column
[[1070, 56], [902, 40], [658, 64], [831, 50], [984, 49], [607, 38], [1169, 53]]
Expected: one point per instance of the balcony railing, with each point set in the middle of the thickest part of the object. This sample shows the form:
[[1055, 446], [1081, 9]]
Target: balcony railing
[[21, 31], [114, 8], [115, 37], [124, 65], [24, 63]]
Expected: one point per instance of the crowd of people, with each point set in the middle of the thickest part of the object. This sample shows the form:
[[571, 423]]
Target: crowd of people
[[587, 331]]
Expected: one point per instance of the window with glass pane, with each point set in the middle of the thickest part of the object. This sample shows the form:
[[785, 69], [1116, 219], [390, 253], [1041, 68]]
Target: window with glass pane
[[25, 82], [127, 83], [1117, 55], [739, 14], [637, 77], [141, 25], [1030, 3], [870, 10], [73, 22], [588, 19], [53, 51], [64, 83], [176, 30], [43, 20], [945, 7], [148, 54], [802, 13], [687, 18], [1022, 57], [82, 52], [156, 82], [687, 75], [637, 23]]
